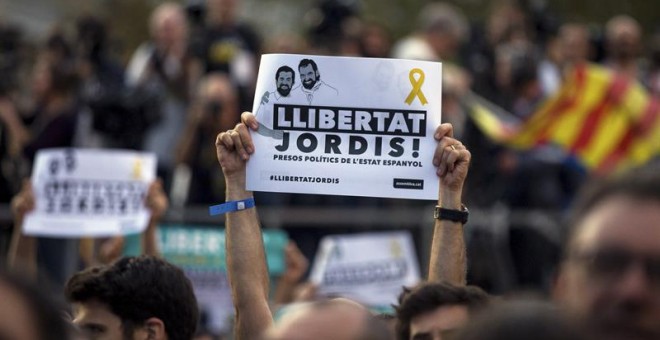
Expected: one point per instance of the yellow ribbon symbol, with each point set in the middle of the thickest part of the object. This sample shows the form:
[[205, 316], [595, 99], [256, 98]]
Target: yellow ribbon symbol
[[417, 87], [137, 169], [395, 248]]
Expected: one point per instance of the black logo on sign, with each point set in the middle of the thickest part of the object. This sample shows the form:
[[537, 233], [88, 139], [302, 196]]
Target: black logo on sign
[[406, 183]]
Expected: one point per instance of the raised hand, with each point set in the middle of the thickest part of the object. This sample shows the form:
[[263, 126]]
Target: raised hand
[[234, 147], [452, 160], [156, 200]]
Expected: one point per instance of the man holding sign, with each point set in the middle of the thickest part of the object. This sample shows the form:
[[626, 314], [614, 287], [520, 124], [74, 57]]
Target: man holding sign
[[246, 259]]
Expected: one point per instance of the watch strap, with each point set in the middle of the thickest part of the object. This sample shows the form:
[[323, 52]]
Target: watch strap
[[460, 216]]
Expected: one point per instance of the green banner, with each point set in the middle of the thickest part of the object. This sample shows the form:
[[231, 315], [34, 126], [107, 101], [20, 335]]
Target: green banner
[[203, 247]]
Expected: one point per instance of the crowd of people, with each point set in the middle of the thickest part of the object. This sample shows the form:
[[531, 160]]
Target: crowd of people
[[180, 96]]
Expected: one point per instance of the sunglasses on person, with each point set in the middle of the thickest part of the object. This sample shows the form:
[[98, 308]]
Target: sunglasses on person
[[613, 263]]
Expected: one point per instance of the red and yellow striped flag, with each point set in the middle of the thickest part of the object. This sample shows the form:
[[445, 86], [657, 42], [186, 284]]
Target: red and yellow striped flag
[[606, 120]]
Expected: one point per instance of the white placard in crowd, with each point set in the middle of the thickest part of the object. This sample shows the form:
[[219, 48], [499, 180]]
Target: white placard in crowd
[[370, 267], [85, 192], [346, 126]]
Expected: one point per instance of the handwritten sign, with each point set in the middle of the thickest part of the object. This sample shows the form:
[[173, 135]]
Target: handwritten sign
[[370, 267], [346, 126], [84, 192]]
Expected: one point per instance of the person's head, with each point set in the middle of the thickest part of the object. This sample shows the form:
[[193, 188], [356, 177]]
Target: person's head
[[573, 44], [623, 36], [221, 12], [284, 80], [338, 319], [432, 310], [375, 40], [506, 23], [610, 275], [91, 37], [521, 320], [27, 313], [309, 73], [444, 27], [134, 298], [57, 49], [52, 78], [218, 97], [168, 26]]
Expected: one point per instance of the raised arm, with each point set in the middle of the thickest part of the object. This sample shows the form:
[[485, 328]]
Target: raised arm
[[296, 267], [22, 249], [246, 258], [448, 258], [158, 203]]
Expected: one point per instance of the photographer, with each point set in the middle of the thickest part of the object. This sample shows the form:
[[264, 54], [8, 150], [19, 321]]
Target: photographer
[[165, 65], [214, 109]]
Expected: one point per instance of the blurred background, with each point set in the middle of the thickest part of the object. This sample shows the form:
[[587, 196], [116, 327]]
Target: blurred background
[[166, 77]]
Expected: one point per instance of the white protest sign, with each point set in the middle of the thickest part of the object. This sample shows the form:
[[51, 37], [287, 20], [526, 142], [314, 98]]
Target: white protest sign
[[91, 193], [370, 267], [346, 126]]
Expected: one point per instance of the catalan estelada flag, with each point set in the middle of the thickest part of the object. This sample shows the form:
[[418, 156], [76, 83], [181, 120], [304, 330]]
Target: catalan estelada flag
[[607, 121]]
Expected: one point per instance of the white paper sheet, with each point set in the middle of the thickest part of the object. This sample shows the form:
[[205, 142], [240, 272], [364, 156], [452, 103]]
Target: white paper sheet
[[89, 193], [364, 127]]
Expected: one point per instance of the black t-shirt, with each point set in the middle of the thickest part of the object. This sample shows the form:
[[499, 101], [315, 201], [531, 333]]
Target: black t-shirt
[[220, 45], [51, 132]]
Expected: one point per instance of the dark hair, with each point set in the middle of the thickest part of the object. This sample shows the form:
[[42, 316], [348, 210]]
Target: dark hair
[[642, 183], [285, 69], [428, 296], [91, 37], [63, 77], [138, 288], [518, 320], [307, 62], [524, 65], [47, 314], [58, 45]]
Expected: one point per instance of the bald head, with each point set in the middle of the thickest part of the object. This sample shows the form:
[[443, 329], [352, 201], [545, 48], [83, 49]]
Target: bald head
[[340, 319], [168, 26]]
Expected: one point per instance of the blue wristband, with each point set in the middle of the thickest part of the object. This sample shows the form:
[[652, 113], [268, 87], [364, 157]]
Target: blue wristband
[[231, 206]]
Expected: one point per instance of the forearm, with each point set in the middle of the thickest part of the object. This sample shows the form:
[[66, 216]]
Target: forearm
[[448, 256], [22, 251], [246, 266], [284, 291], [18, 134], [150, 239]]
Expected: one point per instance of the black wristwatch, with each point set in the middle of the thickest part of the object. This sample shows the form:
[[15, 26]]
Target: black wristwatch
[[460, 216]]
